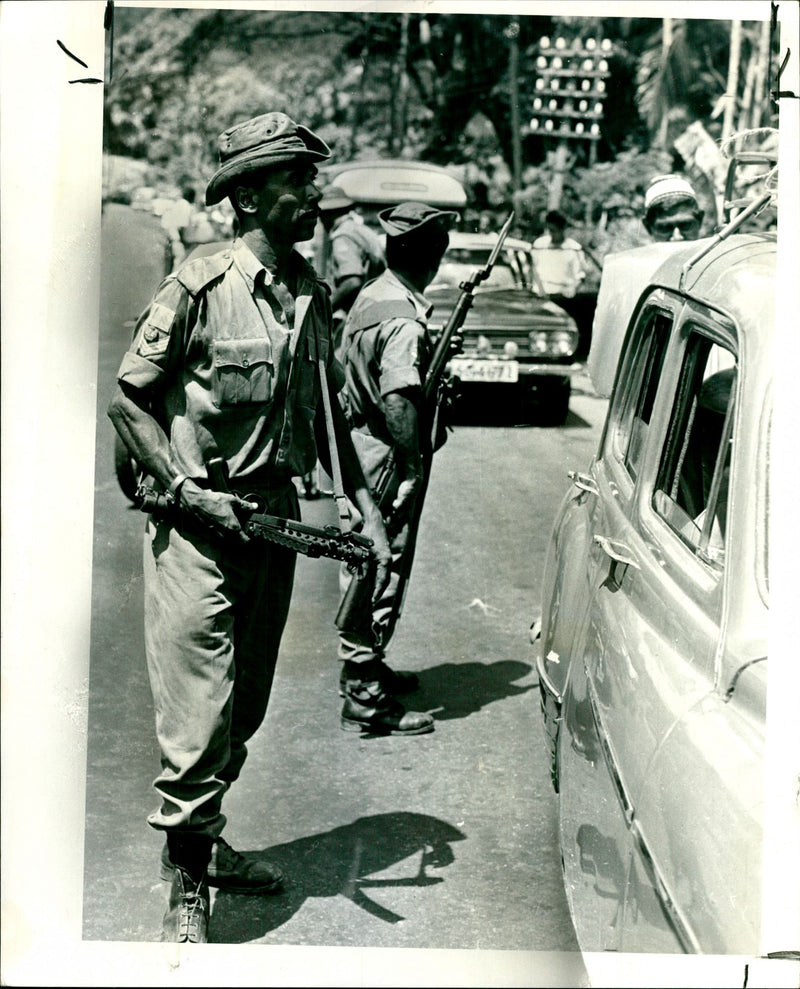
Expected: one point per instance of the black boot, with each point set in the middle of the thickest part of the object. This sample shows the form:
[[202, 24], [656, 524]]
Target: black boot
[[393, 681], [369, 708]]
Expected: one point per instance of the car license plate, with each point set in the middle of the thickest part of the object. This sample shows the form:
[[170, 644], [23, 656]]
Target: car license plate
[[469, 369]]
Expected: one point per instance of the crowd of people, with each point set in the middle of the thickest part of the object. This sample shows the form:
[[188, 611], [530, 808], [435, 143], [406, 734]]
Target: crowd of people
[[247, 368]]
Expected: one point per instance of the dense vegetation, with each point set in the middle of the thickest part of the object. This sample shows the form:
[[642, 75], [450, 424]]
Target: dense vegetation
[[431, 86]]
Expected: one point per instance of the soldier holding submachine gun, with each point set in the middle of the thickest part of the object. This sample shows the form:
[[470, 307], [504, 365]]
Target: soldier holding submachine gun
[[226, 394], [394, 395]]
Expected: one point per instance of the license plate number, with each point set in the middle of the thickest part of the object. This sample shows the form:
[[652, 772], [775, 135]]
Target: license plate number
[[469, 369]]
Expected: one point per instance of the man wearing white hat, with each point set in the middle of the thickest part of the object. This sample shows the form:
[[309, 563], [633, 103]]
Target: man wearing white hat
[[671, 209]]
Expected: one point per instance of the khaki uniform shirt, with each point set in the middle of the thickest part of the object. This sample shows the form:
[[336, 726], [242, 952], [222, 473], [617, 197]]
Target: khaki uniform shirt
[[356, 250], [231, 371], [385, 347]]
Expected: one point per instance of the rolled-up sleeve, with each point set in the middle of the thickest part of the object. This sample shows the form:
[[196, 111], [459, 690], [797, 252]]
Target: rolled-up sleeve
[[400, 354], [157, 338]]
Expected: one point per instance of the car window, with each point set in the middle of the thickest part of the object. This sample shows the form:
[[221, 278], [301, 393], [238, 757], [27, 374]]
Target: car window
[[635, 395], [691, 490]]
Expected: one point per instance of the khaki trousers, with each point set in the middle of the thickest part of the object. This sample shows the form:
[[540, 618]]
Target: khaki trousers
[[214, 617]]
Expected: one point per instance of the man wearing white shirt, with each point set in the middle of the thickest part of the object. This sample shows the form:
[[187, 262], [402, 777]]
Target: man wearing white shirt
[[559, 259]]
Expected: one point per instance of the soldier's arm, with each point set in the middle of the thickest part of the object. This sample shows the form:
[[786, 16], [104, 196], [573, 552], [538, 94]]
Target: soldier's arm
[[344, 294], [145, 369], [402, 421], [357, 489], [150, 447]]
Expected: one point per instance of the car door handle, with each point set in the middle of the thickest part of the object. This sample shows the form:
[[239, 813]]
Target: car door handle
[[618, 552], [583, 481]]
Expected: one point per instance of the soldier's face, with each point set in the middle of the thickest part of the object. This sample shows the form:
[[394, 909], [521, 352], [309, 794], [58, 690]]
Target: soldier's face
[[287, 204]]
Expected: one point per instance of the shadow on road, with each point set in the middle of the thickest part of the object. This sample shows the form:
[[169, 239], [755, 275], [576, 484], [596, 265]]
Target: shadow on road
[[456, 690], [502, 416], [338, 863]]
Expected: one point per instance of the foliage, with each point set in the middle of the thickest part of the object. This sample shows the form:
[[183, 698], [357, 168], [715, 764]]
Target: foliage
[[422, 85]]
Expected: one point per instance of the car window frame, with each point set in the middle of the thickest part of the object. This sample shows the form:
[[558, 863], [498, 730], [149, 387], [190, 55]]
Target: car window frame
[[625, 398], [703, 583]]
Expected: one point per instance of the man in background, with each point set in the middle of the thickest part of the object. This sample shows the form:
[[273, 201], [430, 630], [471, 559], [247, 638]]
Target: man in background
[[671, 209], [559, 259], [351, 255], [354, 256]]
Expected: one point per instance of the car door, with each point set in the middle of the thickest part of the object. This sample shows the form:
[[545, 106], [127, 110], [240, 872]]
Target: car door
[[653, 624], [697, 819], [597, 631]]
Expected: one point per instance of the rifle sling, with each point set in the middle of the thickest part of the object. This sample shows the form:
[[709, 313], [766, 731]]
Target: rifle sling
[[342, 506]]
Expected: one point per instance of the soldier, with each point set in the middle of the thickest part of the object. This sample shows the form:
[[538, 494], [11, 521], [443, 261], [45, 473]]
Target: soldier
[[352, 254], [355, 251], [386, 348], [671, 209], [223, 365]]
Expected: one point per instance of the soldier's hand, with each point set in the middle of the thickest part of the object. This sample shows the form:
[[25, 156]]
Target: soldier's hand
[[407, 494], [216, 510], [374, 528]]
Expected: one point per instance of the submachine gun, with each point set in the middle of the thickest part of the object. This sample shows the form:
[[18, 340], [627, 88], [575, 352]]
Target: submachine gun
[[351, 548], [355, 609]]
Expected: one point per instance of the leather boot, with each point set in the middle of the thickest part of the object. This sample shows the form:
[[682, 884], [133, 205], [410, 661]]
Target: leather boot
[[396, 682], [230, 870], [186, 919], [368, 708]]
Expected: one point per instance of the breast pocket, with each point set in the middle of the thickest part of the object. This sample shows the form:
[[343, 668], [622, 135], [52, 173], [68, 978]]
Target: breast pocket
[[243, 373]]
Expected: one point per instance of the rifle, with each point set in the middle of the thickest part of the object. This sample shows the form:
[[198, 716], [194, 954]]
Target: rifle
[[352, 548], [354, 614]]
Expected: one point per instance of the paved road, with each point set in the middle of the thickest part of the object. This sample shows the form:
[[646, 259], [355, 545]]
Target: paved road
[[440, 841]]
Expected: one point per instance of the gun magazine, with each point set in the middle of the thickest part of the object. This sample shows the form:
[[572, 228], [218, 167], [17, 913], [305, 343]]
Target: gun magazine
[[311, 541]]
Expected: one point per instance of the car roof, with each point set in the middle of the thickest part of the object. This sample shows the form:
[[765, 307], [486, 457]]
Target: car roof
[[728, 277], [397, 180], [736, 277]]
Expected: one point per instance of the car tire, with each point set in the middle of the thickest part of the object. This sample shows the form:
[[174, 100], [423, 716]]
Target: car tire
[[552, 401], [126, 469]]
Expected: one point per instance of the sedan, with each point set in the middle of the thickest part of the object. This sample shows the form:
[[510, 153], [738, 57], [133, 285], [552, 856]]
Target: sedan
[[517, 345], [651, 645]]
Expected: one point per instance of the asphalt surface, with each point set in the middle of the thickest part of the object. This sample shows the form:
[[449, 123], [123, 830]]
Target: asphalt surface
[[441, 841]]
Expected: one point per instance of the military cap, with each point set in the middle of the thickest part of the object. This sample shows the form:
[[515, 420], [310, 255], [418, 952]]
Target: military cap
[[264, 141], [408, 218], [335, 198]]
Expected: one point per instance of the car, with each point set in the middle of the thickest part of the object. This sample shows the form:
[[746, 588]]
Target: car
[[518, 346], [651, 641], [378, 183]]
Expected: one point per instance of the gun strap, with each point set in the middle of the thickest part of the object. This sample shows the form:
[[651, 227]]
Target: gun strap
[[342, 505]]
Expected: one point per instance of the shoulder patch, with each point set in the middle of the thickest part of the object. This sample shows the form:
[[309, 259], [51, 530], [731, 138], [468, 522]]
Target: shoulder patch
[[195, 275], [160, 316]]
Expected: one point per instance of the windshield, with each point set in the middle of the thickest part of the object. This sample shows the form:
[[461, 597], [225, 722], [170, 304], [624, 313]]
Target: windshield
[[452, 273]]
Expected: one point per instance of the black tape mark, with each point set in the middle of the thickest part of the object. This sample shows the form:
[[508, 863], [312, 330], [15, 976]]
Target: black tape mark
[[89, 79], [64, 48], [781, 94], [108, 25]]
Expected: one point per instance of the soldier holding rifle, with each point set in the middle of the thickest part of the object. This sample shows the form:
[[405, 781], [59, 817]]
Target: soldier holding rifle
[[229, 368], [386, 352]]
